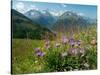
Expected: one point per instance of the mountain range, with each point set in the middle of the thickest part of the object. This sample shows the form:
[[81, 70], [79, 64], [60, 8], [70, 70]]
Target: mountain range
[[35, 23], [70, 21], [23, 27], [41, 17]]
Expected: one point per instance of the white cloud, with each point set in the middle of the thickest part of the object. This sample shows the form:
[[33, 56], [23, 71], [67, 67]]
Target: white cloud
[[64, 5], [57, 13], [20, 6], [81, 14], [34, 7], [54, 13], [31, 7]]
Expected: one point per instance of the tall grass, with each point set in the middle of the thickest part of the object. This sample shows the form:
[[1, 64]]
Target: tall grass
[[56, 55]]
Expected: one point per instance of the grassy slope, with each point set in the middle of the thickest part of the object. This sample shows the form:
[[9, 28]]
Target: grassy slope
[[24, 60], [23, 56]]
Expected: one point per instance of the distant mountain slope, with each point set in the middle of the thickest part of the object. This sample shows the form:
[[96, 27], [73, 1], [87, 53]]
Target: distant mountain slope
[[70, 21], [23, 27], [42, 17]]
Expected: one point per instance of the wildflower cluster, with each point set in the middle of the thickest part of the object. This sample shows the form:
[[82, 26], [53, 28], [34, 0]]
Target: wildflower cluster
[[67, 54], [39, 52], [74, 46]]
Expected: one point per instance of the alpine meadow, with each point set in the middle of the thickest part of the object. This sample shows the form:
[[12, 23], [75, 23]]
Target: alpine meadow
[[53, 37]]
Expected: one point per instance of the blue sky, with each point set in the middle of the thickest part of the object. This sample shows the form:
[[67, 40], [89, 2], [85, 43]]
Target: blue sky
[[55, 8]]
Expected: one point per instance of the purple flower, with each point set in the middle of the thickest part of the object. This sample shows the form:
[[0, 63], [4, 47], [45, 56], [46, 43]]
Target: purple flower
[[74, 51], [72, 42], [37, 49], [78, 42], [40, 54], [64, 40]]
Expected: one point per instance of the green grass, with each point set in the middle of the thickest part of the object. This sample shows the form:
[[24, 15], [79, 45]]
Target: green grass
[[24, 59]]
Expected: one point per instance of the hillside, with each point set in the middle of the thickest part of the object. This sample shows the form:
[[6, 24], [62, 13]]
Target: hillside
[[42, 17], [23, 27], [70, 21]]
